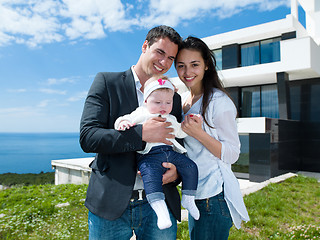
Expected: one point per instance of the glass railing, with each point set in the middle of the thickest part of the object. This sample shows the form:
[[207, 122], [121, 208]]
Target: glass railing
[[242, 165]]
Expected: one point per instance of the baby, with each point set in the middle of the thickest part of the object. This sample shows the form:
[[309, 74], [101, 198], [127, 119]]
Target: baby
[[158, 100]]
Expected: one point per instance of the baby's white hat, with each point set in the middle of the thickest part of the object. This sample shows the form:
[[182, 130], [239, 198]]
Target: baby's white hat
[[154, 85]]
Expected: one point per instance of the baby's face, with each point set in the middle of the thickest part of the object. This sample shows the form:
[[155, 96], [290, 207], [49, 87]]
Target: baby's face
[[160, 101]]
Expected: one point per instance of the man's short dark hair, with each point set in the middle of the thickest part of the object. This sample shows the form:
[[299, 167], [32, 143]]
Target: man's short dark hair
[[163, 31]]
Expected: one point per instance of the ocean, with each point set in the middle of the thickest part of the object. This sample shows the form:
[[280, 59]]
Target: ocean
[[33, 152]]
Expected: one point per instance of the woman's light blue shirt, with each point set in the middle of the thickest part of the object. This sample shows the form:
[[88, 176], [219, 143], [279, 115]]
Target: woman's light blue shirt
[[214, 172], [210, 179]]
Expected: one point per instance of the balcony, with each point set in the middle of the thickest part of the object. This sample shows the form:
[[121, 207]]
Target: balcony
[[299, 57]]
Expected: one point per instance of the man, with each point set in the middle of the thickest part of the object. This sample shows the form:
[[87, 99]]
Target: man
[[115, 199]]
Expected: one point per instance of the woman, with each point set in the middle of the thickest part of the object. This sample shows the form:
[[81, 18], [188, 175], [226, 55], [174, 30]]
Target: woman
[[213, 142]]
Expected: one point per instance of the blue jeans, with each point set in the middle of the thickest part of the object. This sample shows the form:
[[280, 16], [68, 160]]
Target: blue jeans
[[150, 166], [215, 219], [138, 217]]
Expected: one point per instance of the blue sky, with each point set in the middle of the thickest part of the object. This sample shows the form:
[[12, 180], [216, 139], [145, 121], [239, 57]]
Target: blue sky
[[51, 50]]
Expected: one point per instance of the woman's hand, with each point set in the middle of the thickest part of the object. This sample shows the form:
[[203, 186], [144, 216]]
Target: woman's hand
[[192, 124]]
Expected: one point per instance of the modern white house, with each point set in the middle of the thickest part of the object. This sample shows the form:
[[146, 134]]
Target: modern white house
[[272, 72]]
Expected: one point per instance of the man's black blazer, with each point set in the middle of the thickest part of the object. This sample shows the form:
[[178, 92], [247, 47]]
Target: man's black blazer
[[114, 168]]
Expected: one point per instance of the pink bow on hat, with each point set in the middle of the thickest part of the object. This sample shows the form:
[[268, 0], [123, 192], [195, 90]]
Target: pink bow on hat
[[161, 81]]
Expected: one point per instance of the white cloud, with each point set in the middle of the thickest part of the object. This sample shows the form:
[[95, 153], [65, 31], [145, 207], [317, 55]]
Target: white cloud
[[52, 91], [32, 119], [19, 112], [31, 22], [34, 22], [78, 96], [55, 81], [44, 103], [88, 19], [5, 38], [174, 13], [20, 90]]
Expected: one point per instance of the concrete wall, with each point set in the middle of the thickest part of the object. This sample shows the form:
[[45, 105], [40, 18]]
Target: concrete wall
[[74, 171]]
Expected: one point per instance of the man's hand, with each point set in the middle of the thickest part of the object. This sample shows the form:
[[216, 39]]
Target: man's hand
[[171, 174], [157, 130]]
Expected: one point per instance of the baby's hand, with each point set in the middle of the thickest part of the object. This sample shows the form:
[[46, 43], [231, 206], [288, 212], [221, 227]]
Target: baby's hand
[[125, 124]]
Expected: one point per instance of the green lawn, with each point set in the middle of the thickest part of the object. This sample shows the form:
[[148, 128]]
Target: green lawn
[[287, 210]]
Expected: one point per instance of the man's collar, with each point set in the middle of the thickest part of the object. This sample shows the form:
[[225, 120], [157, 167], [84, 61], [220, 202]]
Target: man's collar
[[136, 79]]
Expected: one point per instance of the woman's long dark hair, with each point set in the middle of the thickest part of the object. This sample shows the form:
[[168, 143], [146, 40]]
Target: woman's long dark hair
[[210, 79]]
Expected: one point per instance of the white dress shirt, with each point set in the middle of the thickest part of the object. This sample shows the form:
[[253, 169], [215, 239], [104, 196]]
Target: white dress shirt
[[138, 184]]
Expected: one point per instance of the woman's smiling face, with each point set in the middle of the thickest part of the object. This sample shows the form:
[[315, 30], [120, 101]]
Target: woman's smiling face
[[191, 67]]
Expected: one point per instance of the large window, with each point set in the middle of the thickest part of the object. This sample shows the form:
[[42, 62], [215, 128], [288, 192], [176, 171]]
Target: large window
[[295, 102], [242, 165], [304, 100], [250, 54], [264, 51], [250, 102], [260, 101], [218, 56], [314, 103], [270, 50], [269, 101]]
